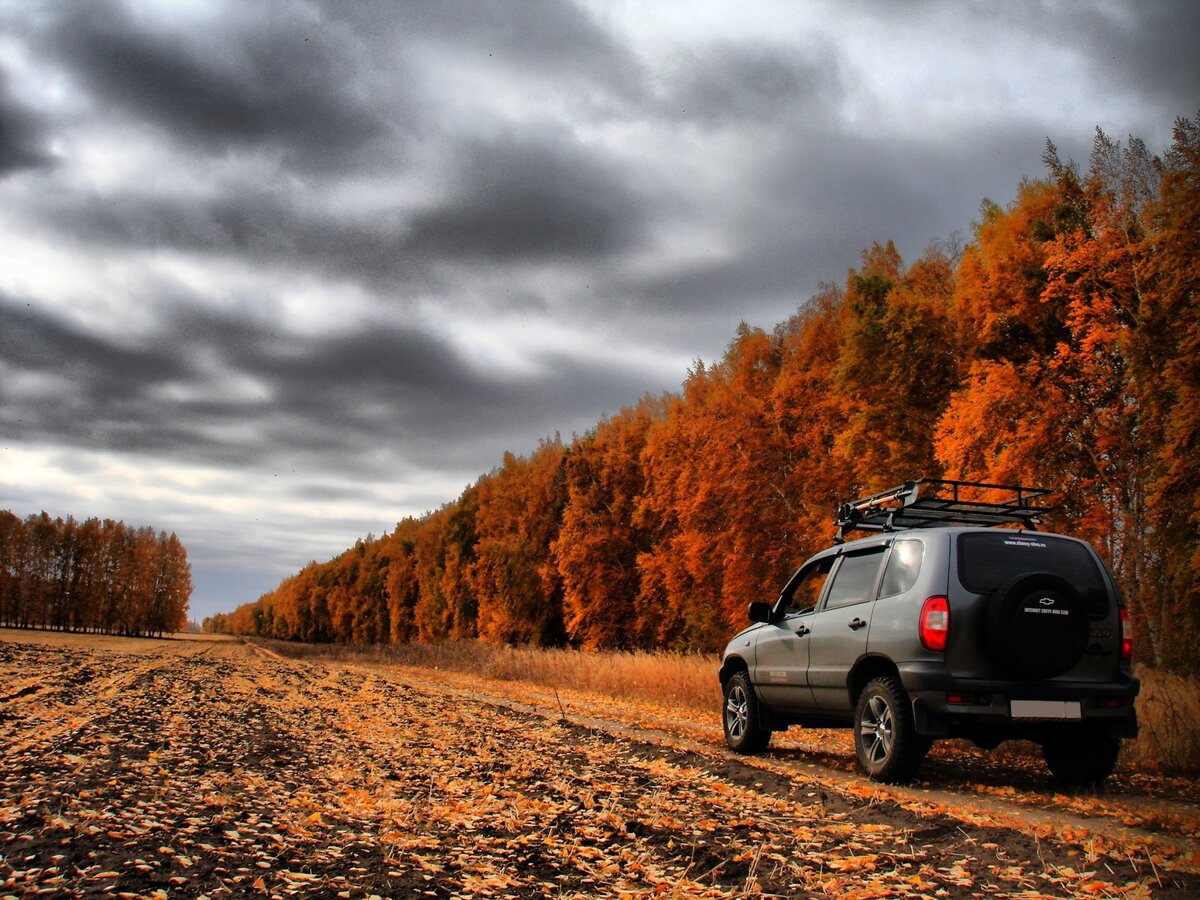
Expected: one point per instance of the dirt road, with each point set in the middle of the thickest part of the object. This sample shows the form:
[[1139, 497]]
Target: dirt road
[[187, 768]]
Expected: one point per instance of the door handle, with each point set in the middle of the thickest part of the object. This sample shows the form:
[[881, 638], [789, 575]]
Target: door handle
[[857, 623], [802, 630]]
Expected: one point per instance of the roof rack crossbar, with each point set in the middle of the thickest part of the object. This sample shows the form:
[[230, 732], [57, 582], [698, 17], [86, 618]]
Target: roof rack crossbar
[[930, 502]]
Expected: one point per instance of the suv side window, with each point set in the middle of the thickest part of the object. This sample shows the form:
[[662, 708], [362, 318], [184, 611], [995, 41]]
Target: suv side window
[[903, 567], [805, 588], [856, 578]]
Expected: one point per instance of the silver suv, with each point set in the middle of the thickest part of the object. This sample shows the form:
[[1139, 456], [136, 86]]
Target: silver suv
[[942, 624]]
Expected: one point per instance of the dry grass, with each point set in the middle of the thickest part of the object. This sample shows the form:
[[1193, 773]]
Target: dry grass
[[680, 680], [1169, 722], [1168, 707]]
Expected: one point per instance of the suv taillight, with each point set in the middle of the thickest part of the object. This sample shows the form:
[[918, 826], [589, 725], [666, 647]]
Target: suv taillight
[[934, 627], [1126, 635]]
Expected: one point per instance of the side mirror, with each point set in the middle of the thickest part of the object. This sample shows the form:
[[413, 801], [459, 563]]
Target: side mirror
[[759, 612]]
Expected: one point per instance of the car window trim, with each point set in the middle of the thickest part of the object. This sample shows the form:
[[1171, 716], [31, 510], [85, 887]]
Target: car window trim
[[883, 547], [883, 571]]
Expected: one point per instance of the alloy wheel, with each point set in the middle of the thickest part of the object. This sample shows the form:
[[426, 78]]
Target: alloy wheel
[[878, 730]]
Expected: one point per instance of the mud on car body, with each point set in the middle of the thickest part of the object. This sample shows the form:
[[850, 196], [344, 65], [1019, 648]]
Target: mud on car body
[[942, 624]]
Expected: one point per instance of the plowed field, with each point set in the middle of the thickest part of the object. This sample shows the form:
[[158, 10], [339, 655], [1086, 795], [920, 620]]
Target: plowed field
[[202, 768]]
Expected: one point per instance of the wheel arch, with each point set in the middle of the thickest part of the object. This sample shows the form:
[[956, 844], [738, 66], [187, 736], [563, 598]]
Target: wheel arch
[[730, 666], [864, 670]]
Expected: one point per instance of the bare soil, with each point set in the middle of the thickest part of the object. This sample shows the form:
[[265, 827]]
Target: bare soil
[[203, 768]]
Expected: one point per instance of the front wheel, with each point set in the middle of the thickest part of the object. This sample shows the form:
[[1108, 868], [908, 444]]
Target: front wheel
[[743, 734], [885, 736]]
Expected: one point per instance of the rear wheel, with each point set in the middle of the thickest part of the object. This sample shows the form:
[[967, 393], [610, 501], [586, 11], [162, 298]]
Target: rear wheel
[[885, 736], [743, 734], [1081, 759]]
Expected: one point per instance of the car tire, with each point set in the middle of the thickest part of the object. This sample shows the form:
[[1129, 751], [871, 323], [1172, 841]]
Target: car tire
[[1037, 626], [743, 733], [1082, 759], [885, 736]]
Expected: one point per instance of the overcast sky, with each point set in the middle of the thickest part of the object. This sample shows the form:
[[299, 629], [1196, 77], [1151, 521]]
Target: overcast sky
[[274, 275]]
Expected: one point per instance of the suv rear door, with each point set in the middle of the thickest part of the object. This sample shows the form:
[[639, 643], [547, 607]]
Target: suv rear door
[[840, 626], [990, 563]]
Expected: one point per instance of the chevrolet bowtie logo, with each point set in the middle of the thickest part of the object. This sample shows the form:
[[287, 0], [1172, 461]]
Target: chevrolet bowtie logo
[[1047, 601]]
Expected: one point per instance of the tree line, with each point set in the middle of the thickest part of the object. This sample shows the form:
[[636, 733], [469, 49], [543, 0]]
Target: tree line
[[1059, 347], [100, 576]]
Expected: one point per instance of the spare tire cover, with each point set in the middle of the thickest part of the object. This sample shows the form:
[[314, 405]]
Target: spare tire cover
[[1037, 626]]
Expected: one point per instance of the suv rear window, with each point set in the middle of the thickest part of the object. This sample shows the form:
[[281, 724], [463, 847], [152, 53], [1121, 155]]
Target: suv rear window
[[986, 561], [903, 567]]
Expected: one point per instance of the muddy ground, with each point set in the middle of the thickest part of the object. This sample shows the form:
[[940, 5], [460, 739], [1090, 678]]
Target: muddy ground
[[203, 768]]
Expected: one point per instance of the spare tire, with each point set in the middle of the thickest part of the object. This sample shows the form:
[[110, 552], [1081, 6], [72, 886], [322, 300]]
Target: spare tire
[[1037, 626]]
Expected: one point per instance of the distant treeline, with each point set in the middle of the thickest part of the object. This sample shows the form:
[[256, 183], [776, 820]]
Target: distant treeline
[[91, 576], [1059, 347]]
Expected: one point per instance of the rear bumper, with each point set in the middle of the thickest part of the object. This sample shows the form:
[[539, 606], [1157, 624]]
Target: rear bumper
[[950, 706]]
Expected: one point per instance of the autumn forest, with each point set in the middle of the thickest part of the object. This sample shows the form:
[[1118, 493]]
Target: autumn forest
[[1058, 346], [101, 576]]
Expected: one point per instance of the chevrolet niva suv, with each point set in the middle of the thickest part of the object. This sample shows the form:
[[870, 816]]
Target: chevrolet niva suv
[[941, 624]]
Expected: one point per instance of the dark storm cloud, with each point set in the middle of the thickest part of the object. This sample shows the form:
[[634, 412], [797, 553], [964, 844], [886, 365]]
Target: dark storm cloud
[[247, 82], [156, 392], [342, 397], [1154, 50], [21, 134], [34, 342], [248, 222], [103, 388], [522, 199]]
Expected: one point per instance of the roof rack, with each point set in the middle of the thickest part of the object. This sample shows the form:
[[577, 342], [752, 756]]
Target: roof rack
[[931, 502]]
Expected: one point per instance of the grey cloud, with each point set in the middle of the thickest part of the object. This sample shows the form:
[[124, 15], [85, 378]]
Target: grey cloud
[[1154, 51], [344, 397], [552, 194], [246, 83], [1145, 52], [21, 134], [105, 396], [531, 199], [36, 342], [753, 83], [542, 39], [522, 198], [249, 222], [813, 201]]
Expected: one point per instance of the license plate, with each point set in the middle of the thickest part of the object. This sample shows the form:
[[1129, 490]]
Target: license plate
[[1046, 709]]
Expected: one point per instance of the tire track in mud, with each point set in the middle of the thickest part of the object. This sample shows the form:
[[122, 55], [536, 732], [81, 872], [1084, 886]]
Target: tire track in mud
[[245, 774]]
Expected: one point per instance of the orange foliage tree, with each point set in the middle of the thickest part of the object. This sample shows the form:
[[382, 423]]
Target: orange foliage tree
[[91, 576], [1166, 369], [1075, 354], [1059, 349], [716, 493], [517, 587], [598, 544]]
